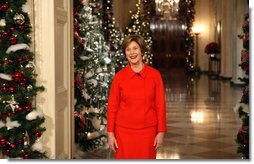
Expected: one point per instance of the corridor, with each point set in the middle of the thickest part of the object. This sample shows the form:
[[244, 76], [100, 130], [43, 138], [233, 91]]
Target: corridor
[[201, 120]]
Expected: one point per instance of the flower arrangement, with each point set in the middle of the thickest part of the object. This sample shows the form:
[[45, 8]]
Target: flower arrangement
[[212, 48]]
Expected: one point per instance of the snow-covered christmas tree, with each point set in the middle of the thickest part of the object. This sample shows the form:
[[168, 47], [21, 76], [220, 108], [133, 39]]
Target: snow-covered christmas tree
[[20, 121], [93, 74]]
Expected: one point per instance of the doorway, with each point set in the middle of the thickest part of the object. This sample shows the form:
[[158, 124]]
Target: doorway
[[168, 43]]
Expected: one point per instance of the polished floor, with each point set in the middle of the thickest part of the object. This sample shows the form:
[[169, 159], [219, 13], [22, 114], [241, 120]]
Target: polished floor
[[201, 121]]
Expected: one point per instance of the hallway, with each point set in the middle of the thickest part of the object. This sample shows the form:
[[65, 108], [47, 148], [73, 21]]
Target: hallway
[[201, 121]]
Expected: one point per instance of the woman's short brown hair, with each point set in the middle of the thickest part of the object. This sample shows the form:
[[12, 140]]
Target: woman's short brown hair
[[136, 38]]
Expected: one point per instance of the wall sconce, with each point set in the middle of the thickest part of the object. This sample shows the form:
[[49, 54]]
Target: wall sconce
[[196, 29]]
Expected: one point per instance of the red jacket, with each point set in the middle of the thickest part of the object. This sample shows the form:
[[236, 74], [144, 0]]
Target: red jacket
[[137, 100]]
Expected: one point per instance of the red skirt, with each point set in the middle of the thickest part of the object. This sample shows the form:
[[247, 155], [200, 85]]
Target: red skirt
[[135, 143]]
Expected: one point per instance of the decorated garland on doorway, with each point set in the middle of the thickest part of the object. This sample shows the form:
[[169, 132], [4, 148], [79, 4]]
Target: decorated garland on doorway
[[242, 138], [187, 7], [20, 122]]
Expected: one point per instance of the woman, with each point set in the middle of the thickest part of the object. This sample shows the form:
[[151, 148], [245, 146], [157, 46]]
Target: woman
[[136, 106]]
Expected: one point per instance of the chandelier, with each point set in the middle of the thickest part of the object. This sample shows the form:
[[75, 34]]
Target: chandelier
[[168, 9]]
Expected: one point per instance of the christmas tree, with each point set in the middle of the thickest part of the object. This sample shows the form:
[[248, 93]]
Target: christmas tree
[[242, 138], [93, 74], [20, 122], [141, 25], [113, 35]]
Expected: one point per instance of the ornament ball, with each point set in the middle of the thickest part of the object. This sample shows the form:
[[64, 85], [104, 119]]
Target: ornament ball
[[13, 39], [19, 19], [7, 152], [38, 134], [26, 156], [17, 76], [3, 141], [13, 146], [4, 7]]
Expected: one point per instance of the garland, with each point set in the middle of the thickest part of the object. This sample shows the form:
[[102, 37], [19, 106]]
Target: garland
[[186, 7], [242, 138], [20, 122]]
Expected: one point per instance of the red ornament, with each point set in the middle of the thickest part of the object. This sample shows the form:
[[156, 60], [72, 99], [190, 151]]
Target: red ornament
[[21, 27], [26, 156], [20, 60], [38, 134], [10, 61], [22, 84], [7, 152], [12, 28], [3, 141], [28, 107], [24, 80], [3, 89], [13, 146], [13, 39], [27, 56], [11, 90], [4, 7], [5, 34], [19, 109], [17, 76]]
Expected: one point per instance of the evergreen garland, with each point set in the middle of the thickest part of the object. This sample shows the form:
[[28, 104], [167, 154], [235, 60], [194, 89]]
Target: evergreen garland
[[242, 138], [187, 7], [20, 122]]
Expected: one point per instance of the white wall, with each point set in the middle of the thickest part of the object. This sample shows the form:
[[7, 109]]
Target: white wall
[[230, 12], [205, 19]]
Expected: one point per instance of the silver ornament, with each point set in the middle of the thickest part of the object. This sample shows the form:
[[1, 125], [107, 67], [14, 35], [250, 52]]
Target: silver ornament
[[19, 19], [29, 87], [30, 66]]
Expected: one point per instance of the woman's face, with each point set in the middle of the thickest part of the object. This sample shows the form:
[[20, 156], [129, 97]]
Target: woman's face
[[133, 53]]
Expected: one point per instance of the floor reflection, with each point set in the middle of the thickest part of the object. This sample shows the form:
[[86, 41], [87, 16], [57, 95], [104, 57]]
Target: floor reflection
[[200, 119]]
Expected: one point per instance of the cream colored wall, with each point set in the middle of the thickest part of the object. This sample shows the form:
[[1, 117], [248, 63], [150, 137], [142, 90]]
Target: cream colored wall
[[241, 9], [45, 51], [232, 16], [54, 60], [205, 19], [231, 13]]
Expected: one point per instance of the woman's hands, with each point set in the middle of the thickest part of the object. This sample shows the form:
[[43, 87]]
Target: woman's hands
[[158, 141], [112, 141]]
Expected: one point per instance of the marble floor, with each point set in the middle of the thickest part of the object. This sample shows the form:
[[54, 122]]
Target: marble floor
[[201, 120]]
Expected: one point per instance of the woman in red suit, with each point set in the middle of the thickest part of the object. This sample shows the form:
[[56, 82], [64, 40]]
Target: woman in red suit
[[136, 106]]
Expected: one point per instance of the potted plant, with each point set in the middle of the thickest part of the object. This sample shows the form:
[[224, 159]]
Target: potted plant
[[213, 50]]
